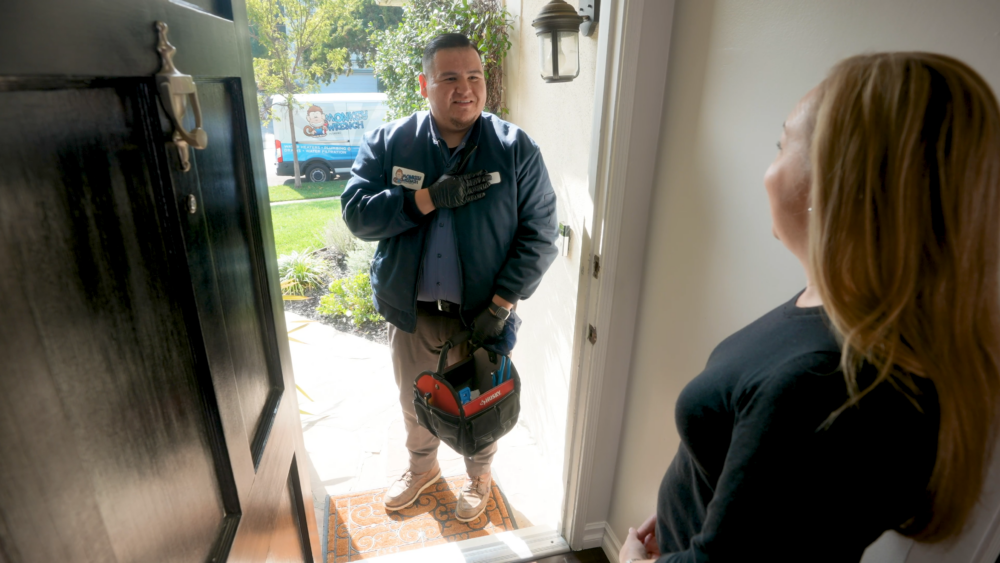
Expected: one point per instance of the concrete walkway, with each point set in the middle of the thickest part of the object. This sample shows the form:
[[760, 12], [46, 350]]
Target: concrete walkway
[[354, 430]]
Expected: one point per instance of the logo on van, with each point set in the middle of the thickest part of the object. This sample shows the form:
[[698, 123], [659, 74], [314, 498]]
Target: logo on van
[[407, 178], [321, 123], [483, 402], [318, 124]]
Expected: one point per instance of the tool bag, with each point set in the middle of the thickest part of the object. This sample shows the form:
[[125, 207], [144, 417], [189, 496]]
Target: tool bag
[[470, 427]]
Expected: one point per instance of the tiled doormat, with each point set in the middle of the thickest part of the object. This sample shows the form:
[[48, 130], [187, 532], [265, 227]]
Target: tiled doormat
[[360, 528]]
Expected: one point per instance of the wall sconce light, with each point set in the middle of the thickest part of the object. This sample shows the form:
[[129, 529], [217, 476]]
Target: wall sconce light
[[558, 27]]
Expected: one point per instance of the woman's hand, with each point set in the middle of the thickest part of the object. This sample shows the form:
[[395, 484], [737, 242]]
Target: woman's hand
[[647, 535], [632, 549]]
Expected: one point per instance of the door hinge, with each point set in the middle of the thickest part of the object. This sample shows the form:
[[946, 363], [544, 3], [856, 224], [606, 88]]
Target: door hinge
[[592, 335], [597, 265]]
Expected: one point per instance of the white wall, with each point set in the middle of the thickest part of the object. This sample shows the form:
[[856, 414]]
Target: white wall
[[736, 68], [558, 117]]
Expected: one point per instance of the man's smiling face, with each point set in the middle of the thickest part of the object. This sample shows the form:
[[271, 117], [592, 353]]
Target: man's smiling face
[[456, 88]]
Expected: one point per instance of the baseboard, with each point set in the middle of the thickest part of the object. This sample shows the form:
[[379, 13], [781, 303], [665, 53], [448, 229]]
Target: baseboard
[[610, 544], [599, 534], [593, 534]]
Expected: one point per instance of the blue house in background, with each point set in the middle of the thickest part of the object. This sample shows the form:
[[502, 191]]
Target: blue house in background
[[362, 80]]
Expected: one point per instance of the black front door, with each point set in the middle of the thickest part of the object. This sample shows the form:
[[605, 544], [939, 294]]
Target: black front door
[[145, 411]]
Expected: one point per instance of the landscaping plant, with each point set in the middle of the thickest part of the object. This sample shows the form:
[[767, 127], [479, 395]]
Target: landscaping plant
[[360, 259], [299, 271], [351, 297], [339, 239]]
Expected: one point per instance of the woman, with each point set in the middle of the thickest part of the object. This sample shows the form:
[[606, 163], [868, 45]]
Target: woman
[[867, 402]]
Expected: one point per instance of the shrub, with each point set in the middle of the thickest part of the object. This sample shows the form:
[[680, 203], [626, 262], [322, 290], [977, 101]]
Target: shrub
[[360, 259], [351, 297], [338, 237], [299, 272]]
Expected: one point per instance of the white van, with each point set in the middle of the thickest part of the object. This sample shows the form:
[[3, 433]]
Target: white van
[[328, 131]]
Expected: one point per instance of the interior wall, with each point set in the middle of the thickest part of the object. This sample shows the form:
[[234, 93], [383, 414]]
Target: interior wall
[[736, 69], [558, 117]]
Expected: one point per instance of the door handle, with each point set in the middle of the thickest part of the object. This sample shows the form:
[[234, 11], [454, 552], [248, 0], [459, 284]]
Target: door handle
[[178, 90]]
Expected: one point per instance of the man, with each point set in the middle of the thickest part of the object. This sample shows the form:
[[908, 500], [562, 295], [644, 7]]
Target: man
[[461, 204]]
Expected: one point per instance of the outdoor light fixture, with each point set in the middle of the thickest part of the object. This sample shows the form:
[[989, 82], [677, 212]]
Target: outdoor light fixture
[[558, 27]]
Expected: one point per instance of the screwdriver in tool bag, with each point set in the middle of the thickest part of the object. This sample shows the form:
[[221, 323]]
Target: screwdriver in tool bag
[[501, 373]]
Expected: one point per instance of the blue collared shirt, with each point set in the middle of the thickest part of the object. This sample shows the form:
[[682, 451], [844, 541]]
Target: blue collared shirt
[[440, 273]]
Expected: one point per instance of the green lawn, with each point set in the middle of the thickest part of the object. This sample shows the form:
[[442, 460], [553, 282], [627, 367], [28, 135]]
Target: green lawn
[[298, 226], [308, 190]]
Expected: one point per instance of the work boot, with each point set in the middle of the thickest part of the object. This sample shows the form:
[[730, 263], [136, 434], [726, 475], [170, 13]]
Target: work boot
[[407, 488], [473, 498]]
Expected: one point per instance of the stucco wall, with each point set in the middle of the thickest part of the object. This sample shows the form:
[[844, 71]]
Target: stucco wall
[[736, 68], [558, 117]]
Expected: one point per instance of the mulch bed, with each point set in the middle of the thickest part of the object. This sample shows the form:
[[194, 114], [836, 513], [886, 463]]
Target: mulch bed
[[337, 268]]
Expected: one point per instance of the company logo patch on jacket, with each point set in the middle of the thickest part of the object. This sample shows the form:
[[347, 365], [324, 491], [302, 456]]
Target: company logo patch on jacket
[[407, 178]]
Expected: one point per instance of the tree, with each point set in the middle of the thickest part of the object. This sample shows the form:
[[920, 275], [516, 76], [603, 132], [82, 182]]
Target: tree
[[354, 33], [399, 51], [284, 31]]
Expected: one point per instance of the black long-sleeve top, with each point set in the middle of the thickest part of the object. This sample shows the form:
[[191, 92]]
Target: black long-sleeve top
[[756, 478]]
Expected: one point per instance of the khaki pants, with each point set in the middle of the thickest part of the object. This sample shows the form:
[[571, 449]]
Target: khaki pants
[[413, 354]]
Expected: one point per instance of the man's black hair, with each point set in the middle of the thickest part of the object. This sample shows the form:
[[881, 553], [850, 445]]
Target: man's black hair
[[446, 41]]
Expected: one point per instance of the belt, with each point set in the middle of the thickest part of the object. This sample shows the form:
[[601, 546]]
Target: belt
[[440, 307]]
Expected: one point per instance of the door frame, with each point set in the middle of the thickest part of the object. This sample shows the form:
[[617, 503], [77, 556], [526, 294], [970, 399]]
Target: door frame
[[633, 49]]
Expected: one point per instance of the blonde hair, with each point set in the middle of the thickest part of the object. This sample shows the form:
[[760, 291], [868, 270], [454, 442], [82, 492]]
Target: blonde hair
[[905, 250]]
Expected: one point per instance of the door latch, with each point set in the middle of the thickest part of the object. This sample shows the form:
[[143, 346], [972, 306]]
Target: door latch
[[175, 89]]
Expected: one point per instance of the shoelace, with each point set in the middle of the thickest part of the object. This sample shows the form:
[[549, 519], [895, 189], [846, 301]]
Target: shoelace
[[474, 484], [408, 478]]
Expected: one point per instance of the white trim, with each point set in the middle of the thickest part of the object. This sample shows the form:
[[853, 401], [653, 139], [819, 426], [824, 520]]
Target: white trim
[[628, 104], [600, 534], [518, 546], [593, 535], [611, 546]]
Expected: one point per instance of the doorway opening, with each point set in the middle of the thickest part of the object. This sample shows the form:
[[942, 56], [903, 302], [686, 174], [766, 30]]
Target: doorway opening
[[351, 418], [352, 421]]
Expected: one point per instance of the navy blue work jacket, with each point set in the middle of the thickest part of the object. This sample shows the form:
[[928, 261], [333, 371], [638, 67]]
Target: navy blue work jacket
[[506, 240]]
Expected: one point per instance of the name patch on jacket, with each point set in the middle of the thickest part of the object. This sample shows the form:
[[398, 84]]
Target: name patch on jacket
[[407, 178]]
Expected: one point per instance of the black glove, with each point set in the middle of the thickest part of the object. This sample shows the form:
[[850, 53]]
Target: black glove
[[489, 324], [456, 191]]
